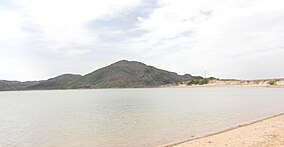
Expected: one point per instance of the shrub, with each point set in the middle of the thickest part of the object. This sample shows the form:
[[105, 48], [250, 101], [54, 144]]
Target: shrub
[[272, 82], [212, 78], [198, 81], [203, 81]]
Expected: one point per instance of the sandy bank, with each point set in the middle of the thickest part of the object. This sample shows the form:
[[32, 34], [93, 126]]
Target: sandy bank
[[279, 83], [267, 132]]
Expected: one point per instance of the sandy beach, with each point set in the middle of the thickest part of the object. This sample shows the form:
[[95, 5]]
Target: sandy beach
[[266, 132], [279, 83]]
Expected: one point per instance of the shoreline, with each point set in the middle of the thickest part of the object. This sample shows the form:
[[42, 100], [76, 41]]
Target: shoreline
[[222, 132], [163, 86], [220, 86]]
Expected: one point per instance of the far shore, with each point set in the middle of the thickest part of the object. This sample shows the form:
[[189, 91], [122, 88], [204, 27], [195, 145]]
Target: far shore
[[213, 85], [274, 83], [163, 86], [265, 132], [278, 83]]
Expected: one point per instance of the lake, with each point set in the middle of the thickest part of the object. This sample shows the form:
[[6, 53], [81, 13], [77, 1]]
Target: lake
[[128, 117]]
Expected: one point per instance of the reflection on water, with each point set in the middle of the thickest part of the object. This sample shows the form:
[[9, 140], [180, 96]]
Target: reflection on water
[[127, 117]]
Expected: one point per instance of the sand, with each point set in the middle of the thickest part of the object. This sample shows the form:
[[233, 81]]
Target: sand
[[231, 83], [267, 132]]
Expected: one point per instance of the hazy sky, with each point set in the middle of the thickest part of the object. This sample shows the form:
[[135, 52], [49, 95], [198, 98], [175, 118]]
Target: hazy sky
[[243, 39]]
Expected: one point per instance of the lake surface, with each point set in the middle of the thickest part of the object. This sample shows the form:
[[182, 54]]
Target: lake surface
[[128, 117]]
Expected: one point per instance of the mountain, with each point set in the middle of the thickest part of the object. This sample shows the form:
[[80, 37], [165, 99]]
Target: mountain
[[55, 83], [127, 74], [122, 74]]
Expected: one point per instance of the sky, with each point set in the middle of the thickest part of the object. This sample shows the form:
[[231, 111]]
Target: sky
[[241, 39]]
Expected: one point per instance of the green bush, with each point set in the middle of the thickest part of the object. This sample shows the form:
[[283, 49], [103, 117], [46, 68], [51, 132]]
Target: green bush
[[272, 82], [198, 82], [212, 78], [203, 81], [176, 83]]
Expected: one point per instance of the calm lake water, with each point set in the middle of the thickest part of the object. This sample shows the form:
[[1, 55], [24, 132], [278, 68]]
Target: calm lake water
[[128, 117]]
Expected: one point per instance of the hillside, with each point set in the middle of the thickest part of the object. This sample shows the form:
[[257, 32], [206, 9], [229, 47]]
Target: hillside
[[16, 85], [127, 74], [55, 83], [5, 87]]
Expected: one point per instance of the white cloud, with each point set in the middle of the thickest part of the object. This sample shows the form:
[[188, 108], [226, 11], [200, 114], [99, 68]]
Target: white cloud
[[42, 31], [63, 22], [10, 25], [191, 36], [229, 38], [18, 68]]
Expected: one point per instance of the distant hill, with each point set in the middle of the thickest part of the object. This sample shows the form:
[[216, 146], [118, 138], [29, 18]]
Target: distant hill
[[5, 87], [16, 85], [127, 74], [122, 74], [22, 85], [55, 83]]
